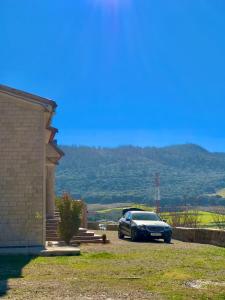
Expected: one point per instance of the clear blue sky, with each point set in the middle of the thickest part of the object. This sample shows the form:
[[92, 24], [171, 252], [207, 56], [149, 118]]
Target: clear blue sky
[[140, 72]]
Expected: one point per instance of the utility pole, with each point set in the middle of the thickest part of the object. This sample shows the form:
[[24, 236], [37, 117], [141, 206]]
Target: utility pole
[[157, 192]]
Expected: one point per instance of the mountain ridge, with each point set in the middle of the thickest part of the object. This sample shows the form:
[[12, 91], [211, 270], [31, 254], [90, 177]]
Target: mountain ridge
[[126, 173]]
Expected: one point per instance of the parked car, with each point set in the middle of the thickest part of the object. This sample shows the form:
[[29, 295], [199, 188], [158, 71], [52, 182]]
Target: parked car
[[139, 224]]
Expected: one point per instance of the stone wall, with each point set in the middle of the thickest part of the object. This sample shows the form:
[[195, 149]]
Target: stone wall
[[203, 236], [22, 173], [95, 226]]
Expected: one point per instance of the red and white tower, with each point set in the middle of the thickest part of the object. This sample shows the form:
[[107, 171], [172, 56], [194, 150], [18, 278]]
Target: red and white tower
[[157, 192]]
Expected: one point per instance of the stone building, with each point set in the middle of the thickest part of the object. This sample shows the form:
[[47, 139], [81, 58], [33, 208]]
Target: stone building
[[28, 156]]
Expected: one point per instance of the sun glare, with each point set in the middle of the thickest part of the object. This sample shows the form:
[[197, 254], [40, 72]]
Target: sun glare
[[111, 4]]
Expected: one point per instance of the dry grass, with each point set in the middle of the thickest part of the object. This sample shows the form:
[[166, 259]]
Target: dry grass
[[121, 270]]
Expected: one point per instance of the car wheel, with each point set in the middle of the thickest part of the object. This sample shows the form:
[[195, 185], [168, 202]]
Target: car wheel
[[133, 234], [120, 235], [167, 240]]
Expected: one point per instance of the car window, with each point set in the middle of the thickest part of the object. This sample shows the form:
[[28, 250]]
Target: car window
[[128, 215], [145, 217]]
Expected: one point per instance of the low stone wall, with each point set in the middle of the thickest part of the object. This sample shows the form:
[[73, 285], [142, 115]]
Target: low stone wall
[[95, 226], [197, 235], [112, 227]]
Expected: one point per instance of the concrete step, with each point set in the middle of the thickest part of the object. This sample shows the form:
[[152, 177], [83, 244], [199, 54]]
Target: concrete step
[[83, 235], [50, 232], [97, 241], [55, 234], [60, 251], [88, 233], [51, 235], [52, 221], [55, 228], [75, 237], [78, 238], [83, 229]]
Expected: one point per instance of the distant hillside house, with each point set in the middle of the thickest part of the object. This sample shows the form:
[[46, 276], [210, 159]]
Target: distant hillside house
[[28, 156]]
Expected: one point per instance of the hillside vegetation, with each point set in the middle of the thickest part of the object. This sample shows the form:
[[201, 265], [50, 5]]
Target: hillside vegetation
[[189, 174]]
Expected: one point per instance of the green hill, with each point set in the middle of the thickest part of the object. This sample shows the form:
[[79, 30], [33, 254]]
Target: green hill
[[126, 174]]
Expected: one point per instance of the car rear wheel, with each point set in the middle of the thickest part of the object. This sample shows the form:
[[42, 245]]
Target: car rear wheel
[[120, 234]]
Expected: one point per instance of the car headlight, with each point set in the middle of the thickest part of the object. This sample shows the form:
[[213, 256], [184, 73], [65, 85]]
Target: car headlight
[[167, 228], [142, 227]]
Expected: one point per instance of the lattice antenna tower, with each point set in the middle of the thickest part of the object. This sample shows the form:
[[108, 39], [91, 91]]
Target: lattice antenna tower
[[157, 192]]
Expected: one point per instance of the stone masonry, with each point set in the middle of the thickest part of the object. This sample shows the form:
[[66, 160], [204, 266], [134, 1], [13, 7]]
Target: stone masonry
[[28, 155]]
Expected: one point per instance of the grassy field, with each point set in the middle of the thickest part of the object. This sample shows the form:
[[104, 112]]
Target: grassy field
[[110, 209], [108, 213], [206, 219], [119, 270], [220, 193]]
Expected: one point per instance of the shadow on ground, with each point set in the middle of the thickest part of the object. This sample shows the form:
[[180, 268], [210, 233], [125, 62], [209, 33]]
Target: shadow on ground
[[146, 241], [11, 266]]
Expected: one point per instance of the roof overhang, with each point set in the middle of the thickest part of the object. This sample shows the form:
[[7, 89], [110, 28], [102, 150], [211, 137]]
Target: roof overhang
[[49, 105], [53, 153], [50, 134]]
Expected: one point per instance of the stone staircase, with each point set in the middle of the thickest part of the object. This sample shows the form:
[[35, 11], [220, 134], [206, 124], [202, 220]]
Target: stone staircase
[[83, 236]]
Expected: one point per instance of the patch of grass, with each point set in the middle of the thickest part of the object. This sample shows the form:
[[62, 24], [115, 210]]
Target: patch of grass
[[100, 255], [177, 274]]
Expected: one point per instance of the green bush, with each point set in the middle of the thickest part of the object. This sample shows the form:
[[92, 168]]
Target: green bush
[[70, 213]]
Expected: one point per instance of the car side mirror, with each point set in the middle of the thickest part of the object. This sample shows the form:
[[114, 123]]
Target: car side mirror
[[127, 219], [164, 220]]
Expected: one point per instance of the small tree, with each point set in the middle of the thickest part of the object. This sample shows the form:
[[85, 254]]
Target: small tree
[[69, 211], [176, 219]]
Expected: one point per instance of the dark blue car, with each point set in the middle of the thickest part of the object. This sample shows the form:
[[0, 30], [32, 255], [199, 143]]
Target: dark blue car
[[139, 224]]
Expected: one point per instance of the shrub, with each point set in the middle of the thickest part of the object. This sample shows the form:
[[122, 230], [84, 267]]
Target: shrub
[[190, 219], [69, 211]]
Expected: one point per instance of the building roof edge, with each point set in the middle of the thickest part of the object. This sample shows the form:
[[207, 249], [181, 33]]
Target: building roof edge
[[28, 96]]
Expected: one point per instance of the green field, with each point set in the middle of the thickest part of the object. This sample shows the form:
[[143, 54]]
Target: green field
[[221, 193], [108, 213], [206, 219]]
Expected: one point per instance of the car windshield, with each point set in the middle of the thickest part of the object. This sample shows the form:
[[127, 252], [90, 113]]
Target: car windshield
[[145, 217]]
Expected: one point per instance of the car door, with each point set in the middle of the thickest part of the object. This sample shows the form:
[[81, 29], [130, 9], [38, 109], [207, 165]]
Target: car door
[[127, 223]]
